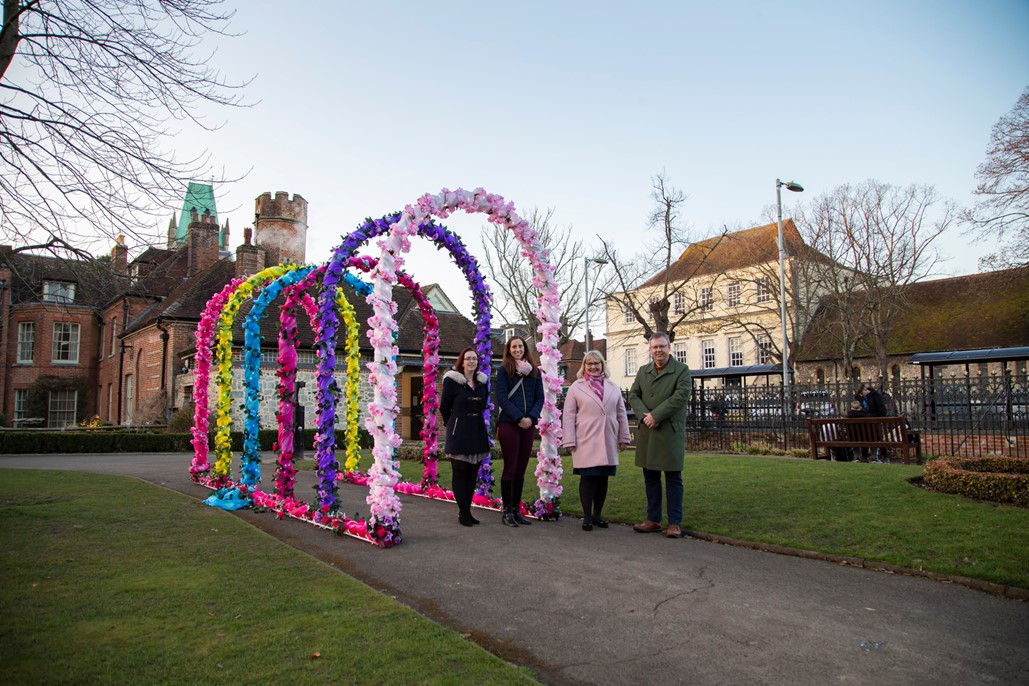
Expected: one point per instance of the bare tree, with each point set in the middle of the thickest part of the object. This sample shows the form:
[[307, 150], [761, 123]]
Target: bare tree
[[511, 275], [92, 91], [879, 239], [655, 287], [1002, 212]]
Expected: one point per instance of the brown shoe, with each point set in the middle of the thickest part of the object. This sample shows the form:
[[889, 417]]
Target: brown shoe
[[673, 531], [647, 527]]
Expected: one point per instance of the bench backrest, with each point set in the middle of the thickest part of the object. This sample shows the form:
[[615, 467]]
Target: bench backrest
[[858, 429]]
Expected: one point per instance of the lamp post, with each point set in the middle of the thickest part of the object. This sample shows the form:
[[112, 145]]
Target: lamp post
[[796, 188], [586, 292]]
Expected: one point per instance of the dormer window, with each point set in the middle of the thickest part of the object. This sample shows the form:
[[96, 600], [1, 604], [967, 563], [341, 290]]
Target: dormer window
[[58, 292]]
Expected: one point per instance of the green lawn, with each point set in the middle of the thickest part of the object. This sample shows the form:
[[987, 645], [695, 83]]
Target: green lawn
[[869, 511], [109, 580]]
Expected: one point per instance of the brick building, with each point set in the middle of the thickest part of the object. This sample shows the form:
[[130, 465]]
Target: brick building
[[115, 338]]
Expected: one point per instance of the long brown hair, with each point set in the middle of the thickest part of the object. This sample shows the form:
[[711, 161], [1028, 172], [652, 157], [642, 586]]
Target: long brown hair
[[459, 364], [509, 360]]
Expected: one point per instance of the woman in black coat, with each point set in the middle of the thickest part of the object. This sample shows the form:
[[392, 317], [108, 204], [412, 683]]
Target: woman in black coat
[[463, 405], [519, 395]]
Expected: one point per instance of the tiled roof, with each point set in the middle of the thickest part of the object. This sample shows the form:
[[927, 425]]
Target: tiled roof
[[985, 310], [93, 278], [737, 250], [187, 303]]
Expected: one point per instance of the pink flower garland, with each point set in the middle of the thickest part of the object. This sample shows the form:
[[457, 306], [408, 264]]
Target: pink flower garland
[[382, 498], [430, 369]]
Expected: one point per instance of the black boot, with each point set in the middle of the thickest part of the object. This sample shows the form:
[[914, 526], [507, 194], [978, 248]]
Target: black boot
[[506, 516], [462, 494], [516, 502]]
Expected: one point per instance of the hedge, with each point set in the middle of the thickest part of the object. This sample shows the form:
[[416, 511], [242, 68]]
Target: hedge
[[996, 479], [114, 441]]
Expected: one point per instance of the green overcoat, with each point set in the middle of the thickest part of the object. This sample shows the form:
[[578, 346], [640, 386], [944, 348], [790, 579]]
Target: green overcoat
[[666, 396]]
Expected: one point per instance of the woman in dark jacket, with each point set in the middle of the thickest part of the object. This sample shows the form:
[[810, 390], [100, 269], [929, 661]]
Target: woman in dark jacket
[[462, 404], [518, 392]]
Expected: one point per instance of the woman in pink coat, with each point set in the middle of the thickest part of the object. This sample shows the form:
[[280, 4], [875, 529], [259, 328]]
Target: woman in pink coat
[[595, 429]]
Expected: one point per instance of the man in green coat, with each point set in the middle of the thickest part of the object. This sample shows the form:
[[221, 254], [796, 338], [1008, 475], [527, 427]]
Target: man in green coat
[[660, 397]]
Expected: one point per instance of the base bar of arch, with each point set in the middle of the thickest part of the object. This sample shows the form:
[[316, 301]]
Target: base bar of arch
[[297, 509]]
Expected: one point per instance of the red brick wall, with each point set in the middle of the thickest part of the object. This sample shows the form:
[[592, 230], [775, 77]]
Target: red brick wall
[[24, 376]]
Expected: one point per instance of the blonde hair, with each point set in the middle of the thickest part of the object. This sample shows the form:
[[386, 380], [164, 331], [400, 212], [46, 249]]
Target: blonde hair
[[596, 354]]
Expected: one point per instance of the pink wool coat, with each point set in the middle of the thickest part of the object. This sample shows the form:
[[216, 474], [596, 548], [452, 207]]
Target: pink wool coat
[[593, 430]]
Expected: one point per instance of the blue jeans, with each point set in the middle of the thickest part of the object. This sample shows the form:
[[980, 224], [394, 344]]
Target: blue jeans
[[673, 492]]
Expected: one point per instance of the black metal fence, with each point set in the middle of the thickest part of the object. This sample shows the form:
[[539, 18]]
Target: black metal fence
[[956, 416]]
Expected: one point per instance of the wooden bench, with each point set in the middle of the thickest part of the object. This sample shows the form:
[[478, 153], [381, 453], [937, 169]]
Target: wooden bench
[[863, 432]]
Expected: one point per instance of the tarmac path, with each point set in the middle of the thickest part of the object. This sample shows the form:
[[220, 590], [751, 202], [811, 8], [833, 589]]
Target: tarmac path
[[615, 607]]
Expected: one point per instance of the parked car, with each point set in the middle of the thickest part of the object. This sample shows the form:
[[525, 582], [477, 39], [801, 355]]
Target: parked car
[[815, 404], [765, 407]]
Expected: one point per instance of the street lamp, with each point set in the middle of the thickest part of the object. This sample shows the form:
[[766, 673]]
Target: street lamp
[[796, 188], [586, 292]]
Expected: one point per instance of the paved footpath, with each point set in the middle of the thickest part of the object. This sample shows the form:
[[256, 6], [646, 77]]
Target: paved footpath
[[616, 607]]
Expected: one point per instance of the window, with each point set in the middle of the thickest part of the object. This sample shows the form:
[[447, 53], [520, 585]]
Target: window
[[627, 315], [66, 343], [764, 289], [708, 353], [735, 352], [114, 336], [650, 309], [58, 292], [707, 298], [130, 398], [62, 408], [679, 351], [305, 357], [21, 402], [764, 350], [733, 295], [110, 402], [679, 303], [26, 342], [820, 376], [630, 362]]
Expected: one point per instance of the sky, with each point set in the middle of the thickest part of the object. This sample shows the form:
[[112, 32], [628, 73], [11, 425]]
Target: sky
[[362, 107]]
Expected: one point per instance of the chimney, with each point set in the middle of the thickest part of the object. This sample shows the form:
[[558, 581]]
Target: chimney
[[202, 241], [249, 258], [120, 257]]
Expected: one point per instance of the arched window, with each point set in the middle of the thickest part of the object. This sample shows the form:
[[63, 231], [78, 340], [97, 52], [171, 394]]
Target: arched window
[[820, 376]]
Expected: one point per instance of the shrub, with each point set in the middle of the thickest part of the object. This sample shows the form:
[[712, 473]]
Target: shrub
[[28, 442], [996, 479], [181, 421]]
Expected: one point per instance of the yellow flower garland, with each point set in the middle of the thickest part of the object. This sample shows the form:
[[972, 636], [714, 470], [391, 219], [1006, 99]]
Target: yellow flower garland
[[223, 354]]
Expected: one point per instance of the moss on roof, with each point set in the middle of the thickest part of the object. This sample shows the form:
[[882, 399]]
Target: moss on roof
[[987, 310]]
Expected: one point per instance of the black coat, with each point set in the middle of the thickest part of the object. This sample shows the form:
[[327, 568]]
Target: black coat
[[463, 409], [873, 405]]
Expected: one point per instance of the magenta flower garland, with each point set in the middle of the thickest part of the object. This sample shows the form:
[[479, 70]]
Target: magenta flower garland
[[202, 366]]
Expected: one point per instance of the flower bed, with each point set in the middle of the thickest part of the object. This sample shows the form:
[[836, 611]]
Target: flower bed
[[996, 479]]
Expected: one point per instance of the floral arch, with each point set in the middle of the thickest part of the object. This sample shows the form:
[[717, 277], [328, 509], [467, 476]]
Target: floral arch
[[384, 504]]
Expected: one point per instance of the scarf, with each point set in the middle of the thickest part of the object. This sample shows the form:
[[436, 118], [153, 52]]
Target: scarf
[[596, 383], [523, 367]]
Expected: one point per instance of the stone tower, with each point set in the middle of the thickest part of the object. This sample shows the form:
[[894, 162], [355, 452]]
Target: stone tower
[[280, 227]]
